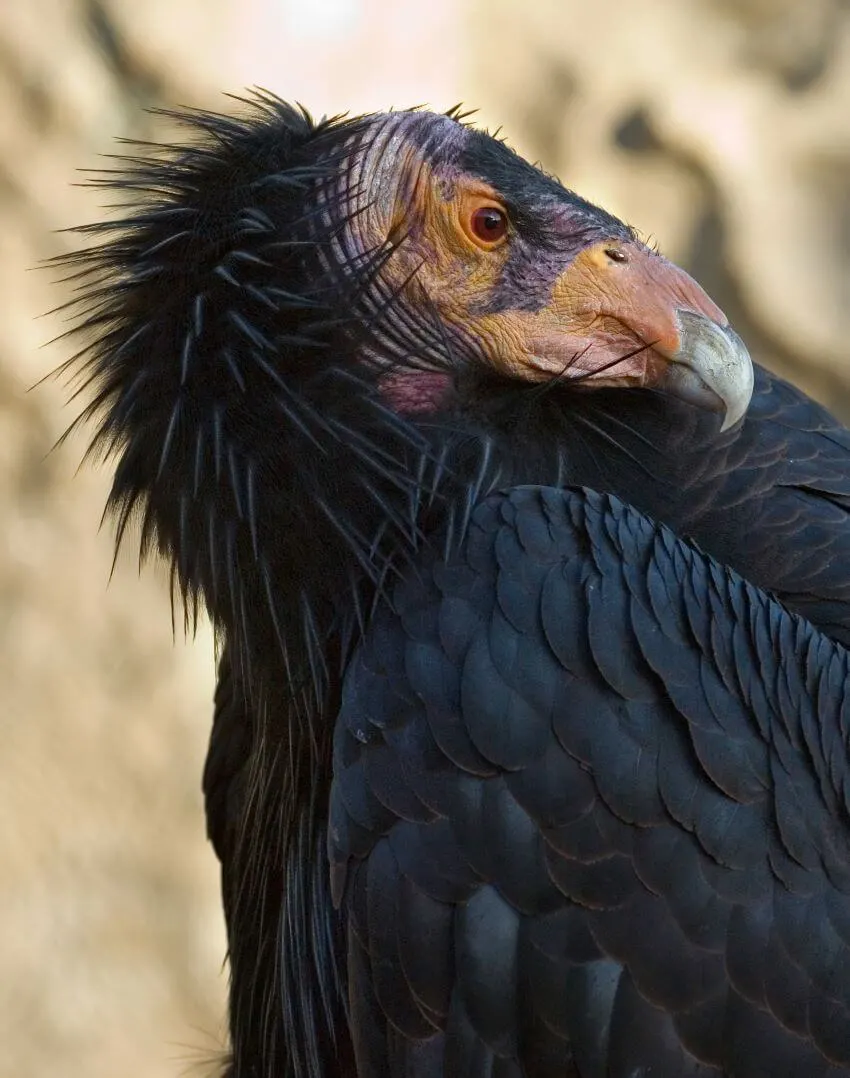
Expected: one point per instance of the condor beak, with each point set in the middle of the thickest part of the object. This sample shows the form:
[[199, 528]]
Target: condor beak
[[711, 368], [621, 315]]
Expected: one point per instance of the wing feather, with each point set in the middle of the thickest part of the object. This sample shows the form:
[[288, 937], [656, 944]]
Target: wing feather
[[608, 771]]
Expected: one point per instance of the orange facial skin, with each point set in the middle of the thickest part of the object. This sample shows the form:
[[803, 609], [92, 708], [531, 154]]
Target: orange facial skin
[[536, 283]]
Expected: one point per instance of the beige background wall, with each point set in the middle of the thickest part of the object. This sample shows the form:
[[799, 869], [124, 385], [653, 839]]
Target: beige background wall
[[718, 127]]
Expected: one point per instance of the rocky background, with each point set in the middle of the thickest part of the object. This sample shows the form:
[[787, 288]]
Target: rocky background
[[718, 127]]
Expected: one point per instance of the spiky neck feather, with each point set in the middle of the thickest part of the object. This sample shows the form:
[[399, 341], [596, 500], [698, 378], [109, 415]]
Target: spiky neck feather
[[227, 315]]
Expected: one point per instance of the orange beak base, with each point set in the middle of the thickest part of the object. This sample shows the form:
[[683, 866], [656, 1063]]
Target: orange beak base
[[622, 315]]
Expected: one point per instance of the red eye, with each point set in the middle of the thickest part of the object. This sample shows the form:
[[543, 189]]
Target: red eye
[[489, 223]]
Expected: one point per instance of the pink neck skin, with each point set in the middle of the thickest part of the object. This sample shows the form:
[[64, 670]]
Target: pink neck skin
[[413, 392]]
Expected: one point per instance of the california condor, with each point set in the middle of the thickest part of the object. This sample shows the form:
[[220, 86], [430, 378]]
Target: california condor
[[530, 749]]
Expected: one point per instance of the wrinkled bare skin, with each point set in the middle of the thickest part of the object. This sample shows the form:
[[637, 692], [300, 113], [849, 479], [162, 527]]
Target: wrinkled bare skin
[[569, 290]]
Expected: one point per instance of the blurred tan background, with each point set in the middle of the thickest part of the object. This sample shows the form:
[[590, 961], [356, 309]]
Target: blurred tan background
[[718, 127]]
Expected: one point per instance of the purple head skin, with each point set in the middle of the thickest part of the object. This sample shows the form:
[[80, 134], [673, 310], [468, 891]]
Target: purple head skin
[[557, 287]]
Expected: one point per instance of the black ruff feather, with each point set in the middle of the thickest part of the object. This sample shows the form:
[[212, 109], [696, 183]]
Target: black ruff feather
[[224, 323]]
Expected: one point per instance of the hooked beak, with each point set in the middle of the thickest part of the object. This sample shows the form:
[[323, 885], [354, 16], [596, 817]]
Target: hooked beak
[[711, 368], [621, 315]]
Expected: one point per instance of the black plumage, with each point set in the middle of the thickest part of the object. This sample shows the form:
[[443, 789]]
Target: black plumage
[[530, 742]]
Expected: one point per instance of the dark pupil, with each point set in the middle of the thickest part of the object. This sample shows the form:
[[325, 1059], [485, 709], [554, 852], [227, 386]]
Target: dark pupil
[[489, 220]]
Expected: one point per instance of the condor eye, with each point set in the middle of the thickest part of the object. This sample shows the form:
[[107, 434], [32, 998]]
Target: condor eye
[[489, 224]]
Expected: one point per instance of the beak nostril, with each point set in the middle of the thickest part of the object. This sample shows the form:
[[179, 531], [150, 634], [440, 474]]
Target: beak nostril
[[616, 255]]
